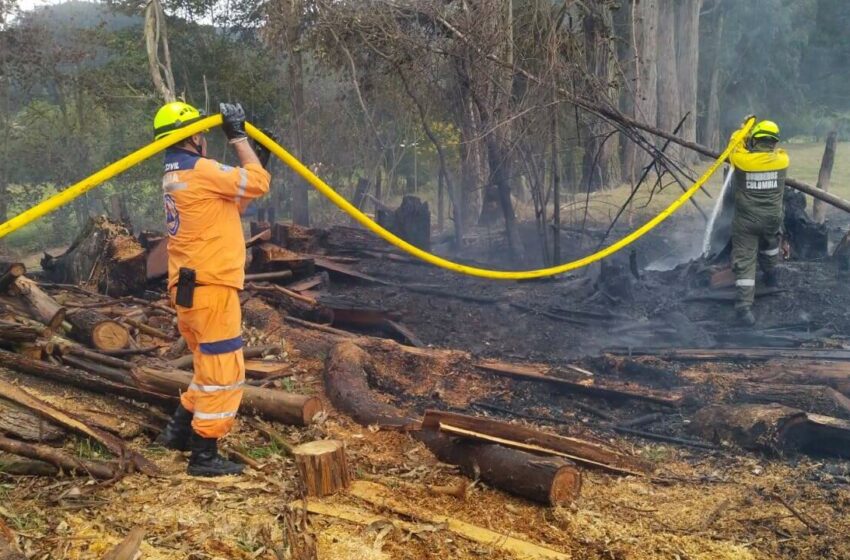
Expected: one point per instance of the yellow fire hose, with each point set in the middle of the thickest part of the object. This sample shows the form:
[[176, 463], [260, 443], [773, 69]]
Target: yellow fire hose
[[138, 156]]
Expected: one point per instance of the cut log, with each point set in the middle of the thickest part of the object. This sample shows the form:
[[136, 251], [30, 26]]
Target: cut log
[[19, 422], [289, 408], [149, 330], [185, 362], [105, 257], [67, 421], [96, 469], [323, 467], [16, 333], [9, 272], [98, 330], [583, 452], [773, 428], [818, 399], [44, 307], [546, 480], [268, 257], [129, 547], [27, 467], [411, 221], [608, 390], [77, 378], [827, 436]]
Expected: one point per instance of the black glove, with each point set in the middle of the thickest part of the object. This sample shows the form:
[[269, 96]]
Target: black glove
[[263, 153], [234, 120]]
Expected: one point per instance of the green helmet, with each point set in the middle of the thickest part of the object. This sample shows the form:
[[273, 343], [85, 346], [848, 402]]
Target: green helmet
[[173, 116], [765, 130]]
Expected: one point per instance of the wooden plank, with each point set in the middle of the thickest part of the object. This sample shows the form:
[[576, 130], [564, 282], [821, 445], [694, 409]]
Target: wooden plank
[[609, 390], [261, 369], [384, 497]]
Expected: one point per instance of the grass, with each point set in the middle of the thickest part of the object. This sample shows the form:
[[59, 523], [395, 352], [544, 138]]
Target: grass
[[91, 450]]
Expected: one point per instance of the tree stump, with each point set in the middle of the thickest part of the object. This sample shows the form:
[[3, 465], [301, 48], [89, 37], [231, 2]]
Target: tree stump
[[98, 330], [323, 467], [411, 221]]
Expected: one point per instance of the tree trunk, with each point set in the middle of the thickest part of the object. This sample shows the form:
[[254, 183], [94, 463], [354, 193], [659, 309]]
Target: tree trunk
[[645, 51], [669, 100], [710, 132], [818, 207], [687, 64], [295, 70]]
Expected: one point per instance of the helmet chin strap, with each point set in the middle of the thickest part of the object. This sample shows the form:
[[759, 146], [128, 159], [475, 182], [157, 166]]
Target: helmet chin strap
[[198, 147]]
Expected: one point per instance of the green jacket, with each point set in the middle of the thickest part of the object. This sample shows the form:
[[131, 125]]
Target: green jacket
[[759, 183]]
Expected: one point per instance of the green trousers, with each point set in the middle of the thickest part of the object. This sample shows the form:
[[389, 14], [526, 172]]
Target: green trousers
[[752, 244]]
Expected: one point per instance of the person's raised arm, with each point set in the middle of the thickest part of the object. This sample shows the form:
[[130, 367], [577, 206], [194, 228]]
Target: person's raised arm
[[233, 116]]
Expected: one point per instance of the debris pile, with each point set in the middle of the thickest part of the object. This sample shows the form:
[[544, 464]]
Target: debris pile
[[368, 424]]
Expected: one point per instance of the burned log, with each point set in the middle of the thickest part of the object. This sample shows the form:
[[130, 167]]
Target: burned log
[[44, 308], [411, 221], [290, 408], [549, 480], [105, 257], [607, 390], [347, 387], [68, 463], [295, 304], [809, 239], [772, 428], [268, 257], [810, 398], [97, 330], [832, 374]]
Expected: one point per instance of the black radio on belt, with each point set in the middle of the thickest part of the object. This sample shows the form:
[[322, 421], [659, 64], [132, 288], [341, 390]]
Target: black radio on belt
[[185, 287]]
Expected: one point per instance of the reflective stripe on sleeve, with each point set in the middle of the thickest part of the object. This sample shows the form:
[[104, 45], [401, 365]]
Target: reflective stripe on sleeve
[[222, 346], [770, 252], [215, 388], [745, 282], [214, 415], [243, 184]]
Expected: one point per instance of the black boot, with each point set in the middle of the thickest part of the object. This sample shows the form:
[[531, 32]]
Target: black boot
[[176, 433], [205, 460], [771, 278], [745, 316]]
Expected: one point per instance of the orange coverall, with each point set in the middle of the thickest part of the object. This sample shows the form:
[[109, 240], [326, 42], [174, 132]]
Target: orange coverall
[[203, 203]]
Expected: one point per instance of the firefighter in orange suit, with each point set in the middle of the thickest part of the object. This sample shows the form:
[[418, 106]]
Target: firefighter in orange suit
[[206, 259]]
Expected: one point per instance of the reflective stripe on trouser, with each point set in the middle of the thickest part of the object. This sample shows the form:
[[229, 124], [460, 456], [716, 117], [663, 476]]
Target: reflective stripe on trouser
[[212, 329], [751, 244]]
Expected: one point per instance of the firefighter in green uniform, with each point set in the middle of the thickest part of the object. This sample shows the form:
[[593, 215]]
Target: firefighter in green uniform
[[759, 171]]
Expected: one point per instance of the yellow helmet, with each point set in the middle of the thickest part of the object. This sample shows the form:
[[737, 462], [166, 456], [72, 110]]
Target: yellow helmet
[[765, 130], [172, 116]]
